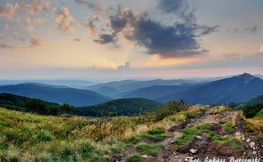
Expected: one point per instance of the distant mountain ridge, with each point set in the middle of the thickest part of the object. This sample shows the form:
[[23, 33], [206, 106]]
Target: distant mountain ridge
[[235, 89], [128, 85], [157, 91], [75, 83], [72, 96]]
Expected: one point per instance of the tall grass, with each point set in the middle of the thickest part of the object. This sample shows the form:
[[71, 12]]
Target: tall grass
[[29, 137], [253, 125]]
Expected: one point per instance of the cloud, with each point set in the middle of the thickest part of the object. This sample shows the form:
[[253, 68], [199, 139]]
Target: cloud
[[235, 30], [48, 31], [28, 20], [86, 35], [40, 21], [36, 41], [208, 30], [167, 41], [230, 55], [251, 29], [34, 6], [1, 36], [89, 26], [126, 67], [64, 22], [30, 28], [6, 30], [7, 11], [15, 34], [92, 6], [47, 6], [20, 4], [21, 38], [105, 38], [96, 17], [37, 20], [178, 7], [75, 39], [118, 22], [261, 49], [2, 10], [7, 45]]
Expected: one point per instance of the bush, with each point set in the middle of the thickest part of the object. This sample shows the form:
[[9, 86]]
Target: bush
[[167, 109], [67, 108], [228, 127], [43, 136], [54, 110], [251, 111], [150, 149], [36, 105], [156, 131], [135, 158]]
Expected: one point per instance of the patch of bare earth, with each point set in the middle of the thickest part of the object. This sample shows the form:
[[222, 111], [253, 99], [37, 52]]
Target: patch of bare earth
[[205, 149]]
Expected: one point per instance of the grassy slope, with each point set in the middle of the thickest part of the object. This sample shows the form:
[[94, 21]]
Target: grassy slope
[[28, 137], [255, 124], [15, 102]]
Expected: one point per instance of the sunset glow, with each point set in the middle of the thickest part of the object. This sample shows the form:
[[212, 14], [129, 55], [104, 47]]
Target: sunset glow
[[160, 38]]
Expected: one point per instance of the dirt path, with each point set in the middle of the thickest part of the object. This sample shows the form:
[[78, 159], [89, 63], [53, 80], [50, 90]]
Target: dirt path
[[252, 144]]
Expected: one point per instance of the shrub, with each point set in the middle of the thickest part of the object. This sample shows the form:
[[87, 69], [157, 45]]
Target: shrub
[[87, 147], [135, 158], [36, 105], [150, 149], [228, 127], [156, 131], [43, 136]]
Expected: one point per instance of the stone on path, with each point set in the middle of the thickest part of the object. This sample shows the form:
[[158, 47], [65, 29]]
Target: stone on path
[[199, 138], [193, 151]]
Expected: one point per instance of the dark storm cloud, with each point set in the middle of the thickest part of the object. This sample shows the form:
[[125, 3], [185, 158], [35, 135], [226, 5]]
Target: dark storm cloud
[[251, 29], [164, 40], [178, 7], [118, 22], [178, 40], [105, 39], [90, 5], [208, 29]]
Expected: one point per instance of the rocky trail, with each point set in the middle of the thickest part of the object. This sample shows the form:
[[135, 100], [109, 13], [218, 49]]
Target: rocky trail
[[201, 148]]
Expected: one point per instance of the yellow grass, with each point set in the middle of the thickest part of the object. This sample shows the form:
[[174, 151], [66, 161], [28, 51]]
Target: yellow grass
[[71, 133], [234, 119]]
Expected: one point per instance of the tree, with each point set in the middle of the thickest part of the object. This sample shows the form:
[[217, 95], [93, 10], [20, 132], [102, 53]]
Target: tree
[[67, 108], [36, 105], [54, 110]]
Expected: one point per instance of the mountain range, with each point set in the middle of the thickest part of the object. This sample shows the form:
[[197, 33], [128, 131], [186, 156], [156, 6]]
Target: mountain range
[[57, 94], [129, 85], [236, 89]]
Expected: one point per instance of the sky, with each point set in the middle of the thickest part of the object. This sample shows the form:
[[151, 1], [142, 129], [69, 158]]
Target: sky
[[47, 39]]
